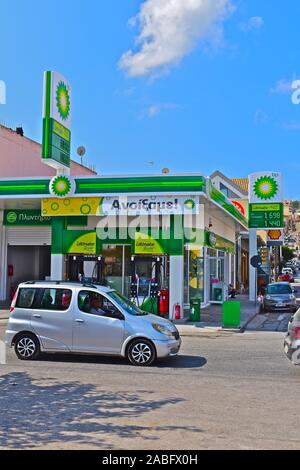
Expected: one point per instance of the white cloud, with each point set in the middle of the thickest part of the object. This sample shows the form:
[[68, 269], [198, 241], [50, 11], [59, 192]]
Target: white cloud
[[282, 87], [155, 109], [170, 29], [253, 24]]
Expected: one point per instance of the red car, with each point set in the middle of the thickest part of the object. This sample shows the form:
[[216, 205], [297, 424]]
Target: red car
[[286, 278]]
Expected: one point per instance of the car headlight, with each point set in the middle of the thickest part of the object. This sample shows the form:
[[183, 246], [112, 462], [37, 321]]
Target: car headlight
[[268, 297], [163, 329], [292, 297]]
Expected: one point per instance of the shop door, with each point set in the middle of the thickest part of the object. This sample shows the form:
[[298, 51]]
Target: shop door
[[217, 265]]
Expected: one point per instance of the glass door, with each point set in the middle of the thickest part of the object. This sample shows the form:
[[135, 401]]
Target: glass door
[[116, 267], [217, 270]]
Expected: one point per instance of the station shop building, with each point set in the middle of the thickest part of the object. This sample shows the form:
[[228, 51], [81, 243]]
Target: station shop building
[[142, 235], [175, 231]]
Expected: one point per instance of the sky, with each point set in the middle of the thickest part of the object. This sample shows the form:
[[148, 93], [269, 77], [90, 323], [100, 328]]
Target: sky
[[191, 85]]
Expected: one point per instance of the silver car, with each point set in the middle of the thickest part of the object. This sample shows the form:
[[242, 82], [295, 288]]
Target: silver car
[[75, 318], [292, 339], [279, 297]]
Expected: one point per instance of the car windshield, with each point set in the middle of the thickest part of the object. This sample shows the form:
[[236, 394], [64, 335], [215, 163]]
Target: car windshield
[[130, 307], [279, 289]]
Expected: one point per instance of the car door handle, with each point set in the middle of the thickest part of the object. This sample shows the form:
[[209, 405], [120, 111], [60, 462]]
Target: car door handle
[[79, 321], [36, 315]]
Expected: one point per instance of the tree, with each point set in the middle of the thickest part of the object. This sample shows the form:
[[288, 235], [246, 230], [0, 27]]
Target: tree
[[287, 254]]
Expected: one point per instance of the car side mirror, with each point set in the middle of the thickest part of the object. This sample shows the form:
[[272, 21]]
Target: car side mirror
[[115, 314]]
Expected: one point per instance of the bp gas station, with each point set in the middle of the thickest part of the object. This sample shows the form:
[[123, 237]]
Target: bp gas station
[[160, 240]]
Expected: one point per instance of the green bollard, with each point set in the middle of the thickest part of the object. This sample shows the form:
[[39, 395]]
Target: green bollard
[[231, 314]]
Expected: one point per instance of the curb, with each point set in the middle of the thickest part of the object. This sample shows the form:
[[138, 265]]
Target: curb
[[244, 327]]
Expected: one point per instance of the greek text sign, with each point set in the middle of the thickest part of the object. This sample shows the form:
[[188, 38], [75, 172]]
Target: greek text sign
[[154, 205]]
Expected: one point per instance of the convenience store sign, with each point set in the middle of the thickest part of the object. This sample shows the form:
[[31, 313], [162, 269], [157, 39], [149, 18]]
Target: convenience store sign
[[25, 217]]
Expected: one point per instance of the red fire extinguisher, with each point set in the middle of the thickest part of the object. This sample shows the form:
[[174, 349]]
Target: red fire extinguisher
[[177, 312]]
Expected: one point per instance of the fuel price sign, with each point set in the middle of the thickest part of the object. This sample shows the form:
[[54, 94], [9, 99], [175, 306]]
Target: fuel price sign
[[266, 216]]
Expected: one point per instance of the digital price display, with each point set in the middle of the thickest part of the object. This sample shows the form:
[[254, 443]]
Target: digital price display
[[266, 216]]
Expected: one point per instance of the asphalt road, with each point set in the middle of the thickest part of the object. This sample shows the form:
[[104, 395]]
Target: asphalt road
[[224, 391]]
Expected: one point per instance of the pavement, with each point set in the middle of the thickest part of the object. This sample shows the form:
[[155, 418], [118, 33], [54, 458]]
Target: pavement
[[211, 317]]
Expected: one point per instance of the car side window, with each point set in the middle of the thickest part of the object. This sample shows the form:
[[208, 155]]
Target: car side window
[[27, 297], [55, 299], [96, 304], [84, 300]]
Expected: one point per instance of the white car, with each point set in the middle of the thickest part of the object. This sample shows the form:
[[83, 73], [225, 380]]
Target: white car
[[287, 270], [85, 318]]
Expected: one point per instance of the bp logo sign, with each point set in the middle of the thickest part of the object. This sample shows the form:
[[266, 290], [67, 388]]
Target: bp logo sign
[[12, 217], [61, 186], [265, 187], [63, 101]]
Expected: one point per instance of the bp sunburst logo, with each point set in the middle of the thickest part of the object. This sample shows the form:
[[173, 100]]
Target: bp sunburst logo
[[189, 204], [61, 186], [63, 101], [265, 188]]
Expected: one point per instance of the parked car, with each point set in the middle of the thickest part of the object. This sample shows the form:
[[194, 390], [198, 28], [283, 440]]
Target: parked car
[[279, 296], [76, 318], [292, 339]]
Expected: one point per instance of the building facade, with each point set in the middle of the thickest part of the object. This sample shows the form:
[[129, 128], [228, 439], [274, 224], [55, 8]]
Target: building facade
[[160, 240], [139, 234]]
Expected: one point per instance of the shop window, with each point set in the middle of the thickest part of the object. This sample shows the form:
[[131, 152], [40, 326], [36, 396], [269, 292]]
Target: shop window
[[224, 189], [117, 267]]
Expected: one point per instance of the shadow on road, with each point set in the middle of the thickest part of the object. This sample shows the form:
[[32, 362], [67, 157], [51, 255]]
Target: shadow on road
[[34, 413], [183, 362], [177, 362]]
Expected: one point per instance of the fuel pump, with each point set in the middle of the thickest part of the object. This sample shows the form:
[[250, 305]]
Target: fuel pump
[[85, 269], [147, 280]]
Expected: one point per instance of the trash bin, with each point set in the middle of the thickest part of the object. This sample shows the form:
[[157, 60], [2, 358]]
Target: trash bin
[[195, 309]]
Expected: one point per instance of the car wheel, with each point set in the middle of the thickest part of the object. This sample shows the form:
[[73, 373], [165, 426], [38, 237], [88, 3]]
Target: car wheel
[[141, 352], [27, 347]]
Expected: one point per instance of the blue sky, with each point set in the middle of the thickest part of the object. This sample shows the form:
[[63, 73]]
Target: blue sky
[[221, 99]]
